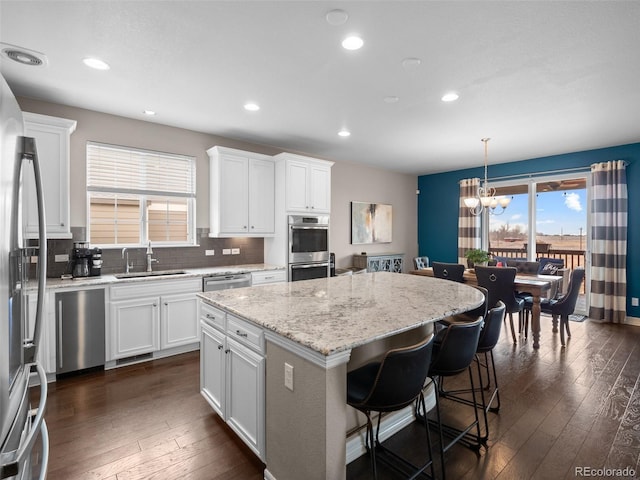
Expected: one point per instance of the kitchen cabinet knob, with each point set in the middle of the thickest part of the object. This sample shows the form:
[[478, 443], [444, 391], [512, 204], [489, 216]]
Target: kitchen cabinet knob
[[166, 303], [219, 347], [244, 226], [226, 351], [155, 304], [252, 227], [62, 224]]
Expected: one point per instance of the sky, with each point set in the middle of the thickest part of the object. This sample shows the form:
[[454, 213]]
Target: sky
[[557, 213]]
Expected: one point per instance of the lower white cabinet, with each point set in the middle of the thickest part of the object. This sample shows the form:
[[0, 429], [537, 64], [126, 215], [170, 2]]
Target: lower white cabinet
[[232, 371], [135, 327], [176, 320], [152, 316]]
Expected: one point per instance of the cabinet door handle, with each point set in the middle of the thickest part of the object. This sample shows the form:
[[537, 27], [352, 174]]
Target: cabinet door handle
[[155, 304], [166, 303], [241, 334], [220, 347], [60, 358], [226, 351]]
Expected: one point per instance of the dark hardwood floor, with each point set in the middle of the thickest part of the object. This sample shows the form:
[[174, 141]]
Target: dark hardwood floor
[[561, 409]]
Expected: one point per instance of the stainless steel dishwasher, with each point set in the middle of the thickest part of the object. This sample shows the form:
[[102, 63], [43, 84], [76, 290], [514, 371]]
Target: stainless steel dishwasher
[[80, 330], [226, 281]]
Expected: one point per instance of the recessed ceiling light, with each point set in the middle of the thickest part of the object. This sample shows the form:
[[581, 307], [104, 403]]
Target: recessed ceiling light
[[352, 42], [337, 17], [344, 133], [450, 97], [96, 63], [151, 113], [252, 107], [411, 62], [391, 99]]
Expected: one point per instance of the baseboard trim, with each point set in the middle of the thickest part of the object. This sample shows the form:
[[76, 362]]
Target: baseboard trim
[[632, 321]]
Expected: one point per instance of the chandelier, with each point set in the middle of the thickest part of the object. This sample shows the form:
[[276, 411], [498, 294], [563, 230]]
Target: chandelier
[[485, 198]]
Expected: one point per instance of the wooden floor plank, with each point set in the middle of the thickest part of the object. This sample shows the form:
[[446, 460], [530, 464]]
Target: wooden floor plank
[[562, 408]]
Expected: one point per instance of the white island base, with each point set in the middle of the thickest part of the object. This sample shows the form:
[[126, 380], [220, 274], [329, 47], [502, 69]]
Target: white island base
[[323, 328]]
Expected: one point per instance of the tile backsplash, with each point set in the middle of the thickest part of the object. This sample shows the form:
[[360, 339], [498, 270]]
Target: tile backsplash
[[169, 258]]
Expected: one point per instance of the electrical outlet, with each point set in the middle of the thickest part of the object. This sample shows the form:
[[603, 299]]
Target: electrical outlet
[[634, 302], [209, 253], [288, 376], [62, 258], [226, 251], [235, 251]]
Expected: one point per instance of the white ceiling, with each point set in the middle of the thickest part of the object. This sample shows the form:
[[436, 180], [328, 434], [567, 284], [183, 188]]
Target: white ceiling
[[539, 78]]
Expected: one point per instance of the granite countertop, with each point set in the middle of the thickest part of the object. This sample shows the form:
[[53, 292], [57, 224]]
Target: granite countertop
[[57, 283], [336, 314]]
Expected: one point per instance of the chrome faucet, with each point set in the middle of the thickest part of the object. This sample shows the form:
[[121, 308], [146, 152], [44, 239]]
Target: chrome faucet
[[125, 256], [149, 259]]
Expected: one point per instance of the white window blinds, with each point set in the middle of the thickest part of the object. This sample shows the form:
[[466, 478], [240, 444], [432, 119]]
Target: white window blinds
[[112, 168]]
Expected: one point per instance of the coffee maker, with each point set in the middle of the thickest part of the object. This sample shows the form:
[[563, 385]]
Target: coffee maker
[[87, 262], [95, 266], [81, 260]]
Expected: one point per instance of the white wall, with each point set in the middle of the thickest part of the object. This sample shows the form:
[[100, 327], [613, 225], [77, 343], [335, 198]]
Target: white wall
[[353, 182]]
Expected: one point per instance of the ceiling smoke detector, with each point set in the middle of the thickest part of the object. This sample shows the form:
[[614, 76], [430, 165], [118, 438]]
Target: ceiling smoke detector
[[24, 56]]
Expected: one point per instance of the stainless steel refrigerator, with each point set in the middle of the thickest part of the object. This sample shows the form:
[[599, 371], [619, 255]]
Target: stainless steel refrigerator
[[21, 423]]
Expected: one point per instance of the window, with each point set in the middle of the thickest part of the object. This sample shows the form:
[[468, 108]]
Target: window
[[138, 196]]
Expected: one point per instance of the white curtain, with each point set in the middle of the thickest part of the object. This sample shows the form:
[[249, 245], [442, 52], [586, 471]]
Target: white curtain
[[609, 242], [468, 224]]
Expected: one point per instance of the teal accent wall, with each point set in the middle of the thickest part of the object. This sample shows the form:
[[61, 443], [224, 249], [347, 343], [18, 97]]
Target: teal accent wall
[[438, 204]]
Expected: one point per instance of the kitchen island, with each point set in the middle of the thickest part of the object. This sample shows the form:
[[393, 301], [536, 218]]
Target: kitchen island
[[314, 332]]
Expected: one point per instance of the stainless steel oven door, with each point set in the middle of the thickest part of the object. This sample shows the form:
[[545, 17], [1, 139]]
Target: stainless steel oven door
[[308, 271], [308, 244]]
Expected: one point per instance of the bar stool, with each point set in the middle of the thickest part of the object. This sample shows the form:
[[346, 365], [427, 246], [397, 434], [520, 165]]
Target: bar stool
[[389, 385], [489, 336], [453, 352]]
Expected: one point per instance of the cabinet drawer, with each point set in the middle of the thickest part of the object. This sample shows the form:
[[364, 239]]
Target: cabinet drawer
[[268, 276], [245, 333], [212, 316]]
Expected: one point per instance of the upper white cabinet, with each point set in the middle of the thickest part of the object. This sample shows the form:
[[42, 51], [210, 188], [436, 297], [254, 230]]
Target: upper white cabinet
[[53, 136], [242, 186], [307, 183]]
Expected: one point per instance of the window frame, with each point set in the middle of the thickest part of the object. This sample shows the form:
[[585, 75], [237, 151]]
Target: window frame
[[144, 197]]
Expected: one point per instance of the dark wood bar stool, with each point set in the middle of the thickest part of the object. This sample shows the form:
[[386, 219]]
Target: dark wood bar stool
[[387, 386]]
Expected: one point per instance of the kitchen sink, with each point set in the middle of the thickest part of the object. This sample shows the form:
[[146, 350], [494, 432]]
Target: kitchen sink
[[158, 273]]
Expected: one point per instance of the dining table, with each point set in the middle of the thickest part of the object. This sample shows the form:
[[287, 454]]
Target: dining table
[[539, 286]]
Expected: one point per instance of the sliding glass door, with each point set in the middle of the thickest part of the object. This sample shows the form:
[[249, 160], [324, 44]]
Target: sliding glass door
[[547, 217]]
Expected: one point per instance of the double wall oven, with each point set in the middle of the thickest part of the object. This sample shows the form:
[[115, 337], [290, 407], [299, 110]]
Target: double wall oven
[[308, 247]]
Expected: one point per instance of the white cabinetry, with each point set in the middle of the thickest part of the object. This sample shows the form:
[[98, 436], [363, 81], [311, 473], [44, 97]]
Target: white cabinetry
[[53, 136], [307, 183], [242, 186], [232, 370], [152, 316], [264, 277]]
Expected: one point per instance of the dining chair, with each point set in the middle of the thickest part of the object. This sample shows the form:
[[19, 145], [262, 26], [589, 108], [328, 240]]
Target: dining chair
[[448, 271], [387, 386], [420, 263], [561, 307], [499, 282]]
